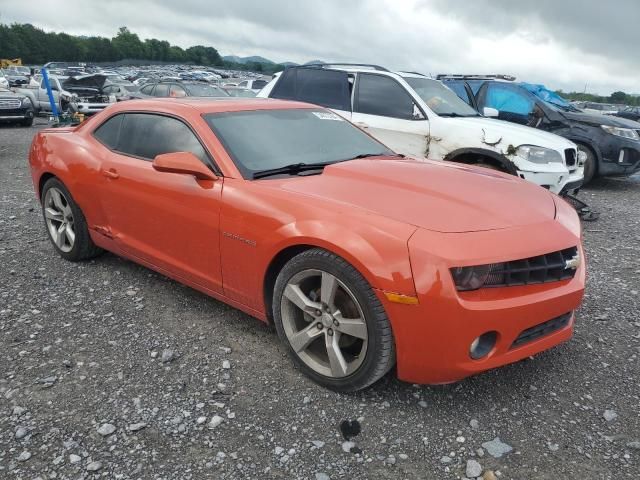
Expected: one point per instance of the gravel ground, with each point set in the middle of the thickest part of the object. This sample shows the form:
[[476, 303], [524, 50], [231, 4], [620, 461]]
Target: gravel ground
[[110, 370]]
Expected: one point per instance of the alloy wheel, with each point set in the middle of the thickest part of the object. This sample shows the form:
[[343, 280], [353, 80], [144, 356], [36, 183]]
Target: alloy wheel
[[59, 219], [324, 323]]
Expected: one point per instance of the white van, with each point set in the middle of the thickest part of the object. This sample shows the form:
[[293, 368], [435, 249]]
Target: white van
[[418, 116]]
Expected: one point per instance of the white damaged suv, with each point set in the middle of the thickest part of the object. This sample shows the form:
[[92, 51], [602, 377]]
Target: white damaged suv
[[418, 116]]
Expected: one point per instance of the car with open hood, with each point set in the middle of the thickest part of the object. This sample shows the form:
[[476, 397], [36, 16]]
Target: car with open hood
[[610, 144], [364, 259]]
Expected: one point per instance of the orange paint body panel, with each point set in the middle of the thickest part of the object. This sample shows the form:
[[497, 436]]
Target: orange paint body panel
[[402, 224]]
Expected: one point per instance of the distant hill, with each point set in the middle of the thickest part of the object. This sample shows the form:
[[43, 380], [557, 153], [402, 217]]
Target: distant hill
[[245, 60], [315, 62], [289, 64]]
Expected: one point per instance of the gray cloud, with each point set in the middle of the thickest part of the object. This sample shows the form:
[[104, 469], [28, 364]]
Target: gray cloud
[[562, 44]]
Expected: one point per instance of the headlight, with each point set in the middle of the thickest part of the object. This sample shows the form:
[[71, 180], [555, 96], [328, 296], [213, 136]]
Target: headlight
[[621, 132], [470, 278], [539, 154], [25, 102]]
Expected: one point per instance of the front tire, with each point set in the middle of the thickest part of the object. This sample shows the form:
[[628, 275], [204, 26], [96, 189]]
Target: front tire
[[335, 328], [65, 222], [590, 166]]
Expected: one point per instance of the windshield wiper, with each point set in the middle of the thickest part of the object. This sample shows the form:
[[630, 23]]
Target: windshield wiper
[[292, 168], [367, 155], [295, 168], [457, 115]]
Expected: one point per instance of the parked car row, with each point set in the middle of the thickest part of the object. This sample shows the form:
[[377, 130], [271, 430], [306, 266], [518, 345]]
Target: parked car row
[[610, 144], [420, 117]]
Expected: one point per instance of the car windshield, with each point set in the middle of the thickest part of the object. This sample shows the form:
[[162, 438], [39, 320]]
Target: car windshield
[[205, 90], [439, 98], [240, 92], [260, 140]]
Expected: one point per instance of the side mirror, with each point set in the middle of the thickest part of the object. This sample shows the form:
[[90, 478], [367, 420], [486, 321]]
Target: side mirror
[[185, 163], [490, 112]]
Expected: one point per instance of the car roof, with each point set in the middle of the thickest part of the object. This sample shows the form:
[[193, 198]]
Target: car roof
[[212, 104]]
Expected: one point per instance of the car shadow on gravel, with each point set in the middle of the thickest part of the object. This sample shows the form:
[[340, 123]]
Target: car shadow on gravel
[[513, 380]]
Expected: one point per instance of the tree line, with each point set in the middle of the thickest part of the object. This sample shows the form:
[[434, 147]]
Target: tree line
[[617, 98], [36, 47]]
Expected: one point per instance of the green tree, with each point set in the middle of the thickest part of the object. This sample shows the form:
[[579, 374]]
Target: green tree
[[128, 45], [618, 97]]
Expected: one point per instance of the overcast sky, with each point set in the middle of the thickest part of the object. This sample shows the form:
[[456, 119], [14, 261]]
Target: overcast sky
[[564, 44]]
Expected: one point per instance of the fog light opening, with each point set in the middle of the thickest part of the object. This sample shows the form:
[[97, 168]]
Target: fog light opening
[[483, 345]]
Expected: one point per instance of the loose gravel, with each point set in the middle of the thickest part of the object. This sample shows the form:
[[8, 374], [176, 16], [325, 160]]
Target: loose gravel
[[110, 370]]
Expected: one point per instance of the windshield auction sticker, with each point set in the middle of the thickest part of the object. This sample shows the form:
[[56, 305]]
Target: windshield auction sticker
[[328, 116]]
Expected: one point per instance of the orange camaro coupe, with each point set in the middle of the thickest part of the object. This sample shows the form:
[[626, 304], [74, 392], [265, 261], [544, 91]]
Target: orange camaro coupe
[[363, 259]]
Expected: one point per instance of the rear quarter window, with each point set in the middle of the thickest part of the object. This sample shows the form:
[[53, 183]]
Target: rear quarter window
[[109, 132], [148, 135]]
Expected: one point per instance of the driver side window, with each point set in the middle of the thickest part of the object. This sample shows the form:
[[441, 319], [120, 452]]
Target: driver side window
[[513, 105], [383, 96]]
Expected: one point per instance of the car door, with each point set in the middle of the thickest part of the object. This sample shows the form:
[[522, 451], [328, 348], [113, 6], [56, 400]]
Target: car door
[[385, 109], [43, 96], [168, 220]]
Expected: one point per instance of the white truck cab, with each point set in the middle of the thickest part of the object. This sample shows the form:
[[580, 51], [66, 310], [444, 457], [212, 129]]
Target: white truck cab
[[420, 117]]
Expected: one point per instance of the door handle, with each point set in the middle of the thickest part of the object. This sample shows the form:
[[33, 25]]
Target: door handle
[[111, 173], [362, 124]]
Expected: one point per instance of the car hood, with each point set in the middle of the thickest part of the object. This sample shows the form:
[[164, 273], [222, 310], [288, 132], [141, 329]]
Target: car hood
[[85, 82], [508, 133], [437, 196], [9, 94], [599, 119]]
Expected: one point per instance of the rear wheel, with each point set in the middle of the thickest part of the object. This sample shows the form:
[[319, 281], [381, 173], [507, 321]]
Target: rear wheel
[[589, 164], [66, 225], [334, 326]]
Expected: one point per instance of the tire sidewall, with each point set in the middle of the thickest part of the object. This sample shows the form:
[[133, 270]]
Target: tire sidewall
[[589, 164], [358, 287], [80, 226]]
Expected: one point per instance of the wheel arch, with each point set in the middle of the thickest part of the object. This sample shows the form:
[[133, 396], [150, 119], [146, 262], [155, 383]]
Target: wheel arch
[[469, 156], [384, 266], [42, 180], [594, 149]]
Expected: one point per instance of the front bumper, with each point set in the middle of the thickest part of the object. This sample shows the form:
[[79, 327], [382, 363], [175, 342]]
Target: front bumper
[[16, 114], [433, 337], [620, 157], [90, 108], [555, 177]]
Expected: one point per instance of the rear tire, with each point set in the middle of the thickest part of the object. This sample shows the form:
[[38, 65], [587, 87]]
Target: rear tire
[[65, 222], [331, 321]]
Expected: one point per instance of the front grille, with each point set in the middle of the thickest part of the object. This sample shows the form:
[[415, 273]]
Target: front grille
[[551, 267], [542, 330], [7, 103], [570, 157]]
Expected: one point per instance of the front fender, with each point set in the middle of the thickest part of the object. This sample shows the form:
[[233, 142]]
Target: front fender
[[257, 225], [380, 256]]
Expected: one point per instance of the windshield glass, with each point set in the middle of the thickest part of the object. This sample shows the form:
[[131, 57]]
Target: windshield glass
[[440, 99], [264, 139], [205, 90]]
